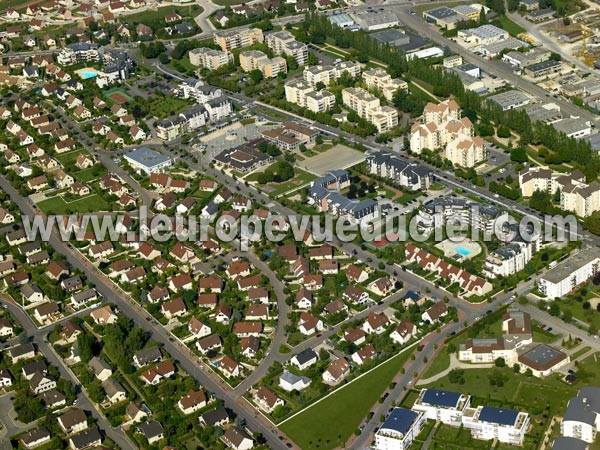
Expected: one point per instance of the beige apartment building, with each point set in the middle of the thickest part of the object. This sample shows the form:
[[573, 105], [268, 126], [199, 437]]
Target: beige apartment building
[[327, 73], [283, 42], [379, 79], [576, 195], [210, 58], [443, 127], [369, 108], [304, 95], [270, 67], [230, 39]]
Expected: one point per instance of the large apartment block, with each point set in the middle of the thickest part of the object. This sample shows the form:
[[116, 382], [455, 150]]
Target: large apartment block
[[209, 58], [412, 176], [283, 42], [379, 79], [369, 108], [575, 194], [509, 259], [327, 73], [443, 127], [303, 94], [230, 39], [270, 67], [570, 274]]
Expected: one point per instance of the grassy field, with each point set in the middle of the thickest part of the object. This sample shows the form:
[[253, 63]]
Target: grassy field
[[351, 402], [440, 363], [88, 175], [450, 438], [508, 25], [17, 4], [150, 16], [164, 107], [57, 205], [70, 157]]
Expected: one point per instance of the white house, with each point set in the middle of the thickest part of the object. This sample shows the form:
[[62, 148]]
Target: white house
[[304, 359], [289, 382], [488, 422], [444, 406], [582, 417], [404, 332]]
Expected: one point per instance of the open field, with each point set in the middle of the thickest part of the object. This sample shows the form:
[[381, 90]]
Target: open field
[[337, 157], [57, 205], [17, 4], [301, 178], [352, 402], [154, 15], [508, 25]]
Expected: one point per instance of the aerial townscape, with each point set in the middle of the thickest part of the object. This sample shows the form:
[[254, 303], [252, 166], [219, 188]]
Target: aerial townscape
[[300, 224]]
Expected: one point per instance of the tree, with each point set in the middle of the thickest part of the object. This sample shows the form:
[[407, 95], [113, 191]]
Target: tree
[[256, 76], [554, 309], [456, 376], [519, 155], [503, 131], [85, 343], [500, 362]]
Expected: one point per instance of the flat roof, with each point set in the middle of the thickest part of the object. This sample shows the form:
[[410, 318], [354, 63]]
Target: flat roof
[[438, 397], [566, 268], [543, 65], [500, 416], [147, 157], [509, 98], [569, 443], [400, 420], [571, 125], [441, 13], [390, 35]]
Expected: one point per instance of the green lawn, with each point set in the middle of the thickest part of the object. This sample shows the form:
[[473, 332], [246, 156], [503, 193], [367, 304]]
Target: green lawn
[[543, 336], [351, 402], [451, 438], [90, 174], [275, 189], [508, 25], [150, 16], [580, 352], [439, 364], [70, 157], [57, 205], [167, 106], [5, 4]]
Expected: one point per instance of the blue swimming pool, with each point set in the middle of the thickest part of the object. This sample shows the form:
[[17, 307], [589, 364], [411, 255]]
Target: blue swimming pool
[[86, 74], [462, 250]]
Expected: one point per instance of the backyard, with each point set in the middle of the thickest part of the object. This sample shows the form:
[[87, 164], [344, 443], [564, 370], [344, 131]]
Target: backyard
[[57, 205]]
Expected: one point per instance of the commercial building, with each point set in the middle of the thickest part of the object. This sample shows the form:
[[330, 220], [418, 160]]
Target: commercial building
[[144, 159], [412, 176], [290, 136], [574, 127], [494, 49], [483, 35], [399, 430], [540, 15], [543, 69], [521, 60], [270, 67], [443, 17], [371, 20], [341, 20], [570, 274], [544, 112], [443, 406], [283, 42], [381, 80], [369, 108], [231, 39], [509, 99], [582, 417], [393, 37], [210, 58], [304, 94]]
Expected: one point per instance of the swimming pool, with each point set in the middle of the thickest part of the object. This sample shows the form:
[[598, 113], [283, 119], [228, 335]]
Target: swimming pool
[[462, 250], [87, 74]]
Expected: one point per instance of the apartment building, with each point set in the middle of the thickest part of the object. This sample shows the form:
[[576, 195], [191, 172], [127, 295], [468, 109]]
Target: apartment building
[[270, 67], [231, 39], [327, 73], [443, 406], [505, 425], [399, 430], [197, 90], [379, 79], [569, 274], [582, 417], [369, 108], [210, 58], [466, 152], [575, 194], [412, 176], [303, 94], [78, 52], [284, 43], [509, 259], [443, 127]]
